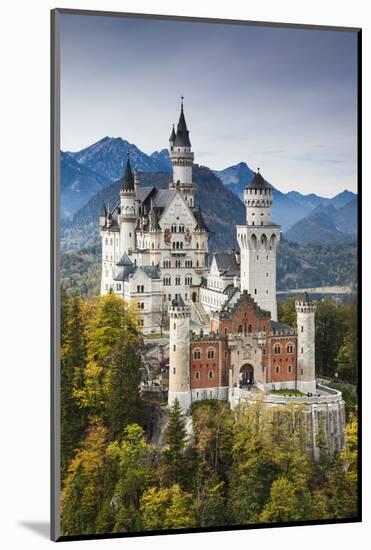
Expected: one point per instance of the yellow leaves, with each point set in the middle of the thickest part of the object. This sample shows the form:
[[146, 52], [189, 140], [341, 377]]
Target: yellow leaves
[[167, 508], [92, 394]]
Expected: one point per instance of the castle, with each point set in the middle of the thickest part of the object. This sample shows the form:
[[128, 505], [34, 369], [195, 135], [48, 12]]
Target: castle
[[224, 338]]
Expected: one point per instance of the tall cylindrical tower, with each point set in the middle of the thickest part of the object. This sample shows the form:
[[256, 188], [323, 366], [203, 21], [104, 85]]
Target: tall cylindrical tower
[[127, 217], [179, 378], [305, 319], [181, 156]]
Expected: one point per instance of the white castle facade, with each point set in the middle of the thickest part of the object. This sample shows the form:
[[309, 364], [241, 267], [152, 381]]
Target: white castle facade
[[155, 241], [224, 337]]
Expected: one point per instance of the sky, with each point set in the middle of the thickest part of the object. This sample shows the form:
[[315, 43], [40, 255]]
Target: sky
[[284, 100]]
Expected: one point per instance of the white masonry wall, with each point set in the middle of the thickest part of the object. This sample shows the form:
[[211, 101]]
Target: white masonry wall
[[258, 247], [306, 375], [179, 343]]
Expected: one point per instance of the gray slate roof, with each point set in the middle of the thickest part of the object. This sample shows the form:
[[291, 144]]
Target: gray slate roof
[[182, 134], [227, 265], [281, 327], [258, 182]]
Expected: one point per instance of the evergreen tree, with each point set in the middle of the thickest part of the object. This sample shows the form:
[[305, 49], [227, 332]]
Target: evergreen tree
[[124, 404], [135, 460], [83, 491], [73, 361], [176, 439], [330, 330]]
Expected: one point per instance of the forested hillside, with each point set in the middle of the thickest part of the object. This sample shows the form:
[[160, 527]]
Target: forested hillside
[[245, 467], [298, 266]]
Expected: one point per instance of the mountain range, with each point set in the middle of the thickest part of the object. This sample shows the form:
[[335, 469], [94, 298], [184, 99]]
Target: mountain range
[[221, 210], [90, 172], [326, 223]]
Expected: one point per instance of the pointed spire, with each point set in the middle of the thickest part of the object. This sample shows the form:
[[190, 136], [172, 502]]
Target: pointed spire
[[128, 179], [172, 135], [153, 218], [103, 210], [201, 225], [182, 134]]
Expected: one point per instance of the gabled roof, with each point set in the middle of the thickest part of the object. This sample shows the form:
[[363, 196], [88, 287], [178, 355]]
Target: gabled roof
[[124, 261], [244, 297], [124, 272], [153, 271], [226, 264]]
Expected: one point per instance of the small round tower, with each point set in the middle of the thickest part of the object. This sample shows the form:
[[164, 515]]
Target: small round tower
[[127, 218], [258, 201], [305, 319], [179, 379]]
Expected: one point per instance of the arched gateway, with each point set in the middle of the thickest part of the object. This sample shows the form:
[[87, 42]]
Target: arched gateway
[[246, 377]]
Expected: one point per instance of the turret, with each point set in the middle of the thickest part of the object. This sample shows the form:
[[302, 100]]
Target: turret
[[103, 215], [182, 157], [172, 138], [258, 201], [127, 217], [179, 379], [305, 319], [136, 189], [258, 240]]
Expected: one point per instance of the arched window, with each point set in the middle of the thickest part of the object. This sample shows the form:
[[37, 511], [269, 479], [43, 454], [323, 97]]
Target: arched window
[[277, 349], [197, 354], [249, 329], [210, 353], [289, 369], [289, 348], [210, 375], [277, 369], [142, 305], [197, 375], [240, 328]]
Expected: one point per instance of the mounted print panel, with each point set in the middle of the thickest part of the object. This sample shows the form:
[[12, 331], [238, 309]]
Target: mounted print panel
[[205, 217]]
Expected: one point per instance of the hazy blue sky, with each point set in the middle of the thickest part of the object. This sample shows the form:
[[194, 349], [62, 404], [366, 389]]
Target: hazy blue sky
[[281, 99]]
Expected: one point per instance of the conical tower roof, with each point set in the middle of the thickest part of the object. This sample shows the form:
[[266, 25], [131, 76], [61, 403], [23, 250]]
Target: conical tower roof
[[172, 135], [182, 134], [128, 179], [258, 182], [103, 209]]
